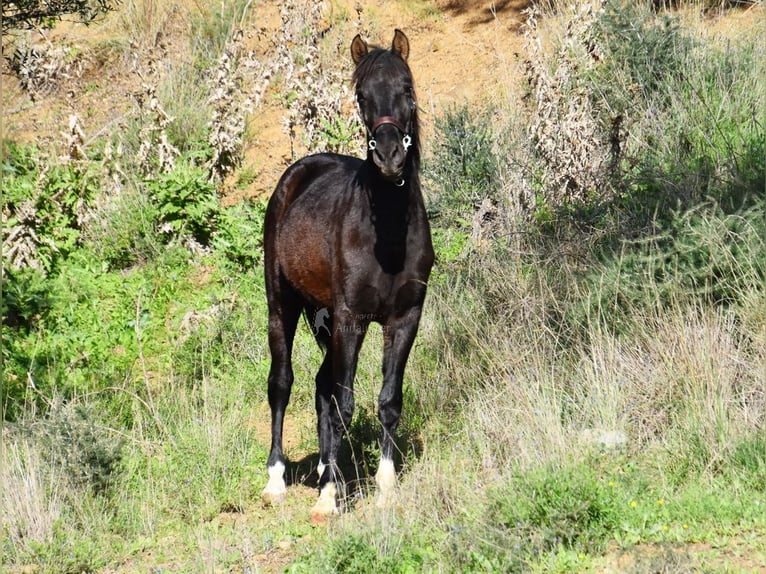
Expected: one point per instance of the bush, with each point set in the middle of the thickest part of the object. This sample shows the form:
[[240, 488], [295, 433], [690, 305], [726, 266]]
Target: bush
[[125, 231], [464, 168], [703, 258], [558, 507], [356, 554], [186, 202], [45, 205], [636, 118], [76, 441], [239, 236]]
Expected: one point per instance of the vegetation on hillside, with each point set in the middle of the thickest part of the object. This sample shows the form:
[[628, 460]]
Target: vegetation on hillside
[[29, 14], [590, 375]]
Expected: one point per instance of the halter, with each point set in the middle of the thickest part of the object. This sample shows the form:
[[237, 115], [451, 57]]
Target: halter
[[406, 138]]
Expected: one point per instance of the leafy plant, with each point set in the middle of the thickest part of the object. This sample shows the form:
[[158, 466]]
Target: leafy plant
[[239, 234], [44, 208], [26, 14], [464, 167], [339, 134], [186, 200], [565, 507]]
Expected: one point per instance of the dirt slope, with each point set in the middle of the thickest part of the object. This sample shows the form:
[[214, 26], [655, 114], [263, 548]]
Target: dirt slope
[[461, 51]]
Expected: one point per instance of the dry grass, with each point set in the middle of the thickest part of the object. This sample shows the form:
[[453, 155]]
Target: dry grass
[[532, 397], [32, 496]]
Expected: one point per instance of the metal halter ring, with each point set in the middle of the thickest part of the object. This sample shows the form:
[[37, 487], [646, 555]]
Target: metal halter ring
[[406, 139], [406, 143]]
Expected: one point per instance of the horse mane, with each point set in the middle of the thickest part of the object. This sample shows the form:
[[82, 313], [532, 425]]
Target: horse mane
[[372, 61]]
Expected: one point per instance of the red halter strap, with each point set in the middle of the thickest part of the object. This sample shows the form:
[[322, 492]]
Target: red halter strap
[[388, 120]]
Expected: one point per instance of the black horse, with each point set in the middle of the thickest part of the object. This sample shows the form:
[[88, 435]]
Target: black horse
[[347, 241]]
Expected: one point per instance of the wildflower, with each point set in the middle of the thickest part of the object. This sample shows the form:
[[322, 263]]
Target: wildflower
[[633, 504], [660, 502]]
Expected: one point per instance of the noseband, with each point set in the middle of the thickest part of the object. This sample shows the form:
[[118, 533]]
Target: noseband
[[406, 139]]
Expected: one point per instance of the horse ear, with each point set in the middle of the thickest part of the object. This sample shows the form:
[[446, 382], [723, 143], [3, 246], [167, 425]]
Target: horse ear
[[401, 45], [358, 49]]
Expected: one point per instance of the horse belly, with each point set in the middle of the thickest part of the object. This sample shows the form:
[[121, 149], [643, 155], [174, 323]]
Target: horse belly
[[304, 262]]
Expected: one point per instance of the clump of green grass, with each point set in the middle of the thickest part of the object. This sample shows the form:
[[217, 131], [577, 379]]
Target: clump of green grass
[[463, 168]]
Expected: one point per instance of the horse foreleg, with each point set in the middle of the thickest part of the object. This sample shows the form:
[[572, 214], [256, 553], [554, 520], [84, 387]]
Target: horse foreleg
[[399, 335]]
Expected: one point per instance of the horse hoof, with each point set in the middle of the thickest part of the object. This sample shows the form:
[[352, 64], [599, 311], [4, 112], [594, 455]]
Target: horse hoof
[[273, 498], [326, 506], [321, 518]]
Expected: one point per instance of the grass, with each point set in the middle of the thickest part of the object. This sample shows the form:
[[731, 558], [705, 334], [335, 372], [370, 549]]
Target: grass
[[586, 392]]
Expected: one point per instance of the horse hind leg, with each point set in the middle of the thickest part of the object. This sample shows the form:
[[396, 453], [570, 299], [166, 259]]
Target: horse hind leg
[[335, 407], [327, 503], [284, 311]]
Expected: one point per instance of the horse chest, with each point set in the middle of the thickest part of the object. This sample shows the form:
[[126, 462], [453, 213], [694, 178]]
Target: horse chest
[[385, 275]]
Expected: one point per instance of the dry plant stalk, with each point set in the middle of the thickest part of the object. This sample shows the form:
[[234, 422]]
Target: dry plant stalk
[[565, 129], [43, 68], [74, 141], [230, 105], [317, 93], [154, 137], [21, 242], [30, 495]]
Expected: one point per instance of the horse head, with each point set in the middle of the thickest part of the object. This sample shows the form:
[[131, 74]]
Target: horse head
[[385, 94]]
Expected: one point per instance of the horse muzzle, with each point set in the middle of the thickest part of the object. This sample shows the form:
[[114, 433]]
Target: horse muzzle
[[388, 147]]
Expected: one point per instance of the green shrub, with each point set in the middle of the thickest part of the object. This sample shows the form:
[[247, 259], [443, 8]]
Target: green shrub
[[552, 507], [124, 232], [186, 202], [704, 257], [45, 205], [239, 234], [463, 168], [357, 554], [670, 116], [76, 440]]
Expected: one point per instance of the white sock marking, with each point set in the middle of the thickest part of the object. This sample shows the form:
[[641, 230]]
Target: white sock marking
[[386, 481], [275, 488], [326, 504]]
